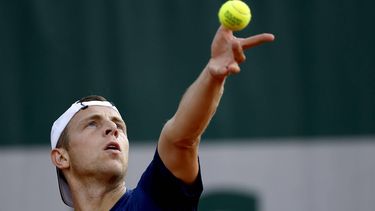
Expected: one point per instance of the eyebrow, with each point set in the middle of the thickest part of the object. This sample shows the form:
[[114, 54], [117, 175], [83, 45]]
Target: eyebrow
[[98, 116]]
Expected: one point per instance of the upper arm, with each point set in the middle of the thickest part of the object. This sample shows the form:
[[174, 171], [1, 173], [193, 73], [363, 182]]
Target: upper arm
[[179, 155]]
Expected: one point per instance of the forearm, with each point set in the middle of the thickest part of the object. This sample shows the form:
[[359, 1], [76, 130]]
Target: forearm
[[196, 109]]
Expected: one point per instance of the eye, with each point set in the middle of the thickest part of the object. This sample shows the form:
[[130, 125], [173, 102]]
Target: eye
[[92, 124], [120, 126]]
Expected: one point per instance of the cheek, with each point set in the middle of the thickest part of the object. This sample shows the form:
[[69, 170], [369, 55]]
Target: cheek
[[81, 153], [83, 159], [81, 150], [125, 142], [83, 140]]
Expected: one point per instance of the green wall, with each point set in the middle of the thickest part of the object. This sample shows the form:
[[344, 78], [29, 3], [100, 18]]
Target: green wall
[[316, 79]]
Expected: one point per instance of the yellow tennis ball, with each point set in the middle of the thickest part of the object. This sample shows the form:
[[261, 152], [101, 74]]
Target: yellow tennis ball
[[234, 15]]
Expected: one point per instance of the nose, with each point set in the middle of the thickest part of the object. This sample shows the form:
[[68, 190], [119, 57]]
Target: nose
[[111, 129]]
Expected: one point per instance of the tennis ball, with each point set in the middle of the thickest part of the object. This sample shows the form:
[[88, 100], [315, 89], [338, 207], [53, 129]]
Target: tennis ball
[[234, 15]]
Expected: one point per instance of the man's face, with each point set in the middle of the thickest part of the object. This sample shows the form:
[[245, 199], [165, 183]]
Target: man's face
[[98, 143]]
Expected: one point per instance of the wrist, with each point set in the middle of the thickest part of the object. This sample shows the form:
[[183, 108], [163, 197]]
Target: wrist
[[215, 71]]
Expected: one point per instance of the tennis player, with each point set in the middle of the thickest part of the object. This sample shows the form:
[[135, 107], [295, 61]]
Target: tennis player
[[90, 144]]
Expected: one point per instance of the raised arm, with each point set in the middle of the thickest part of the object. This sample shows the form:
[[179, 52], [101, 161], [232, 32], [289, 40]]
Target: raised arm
[[180, 137]]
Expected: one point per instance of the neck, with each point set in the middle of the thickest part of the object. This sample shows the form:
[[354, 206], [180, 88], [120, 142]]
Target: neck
[[93, 194]]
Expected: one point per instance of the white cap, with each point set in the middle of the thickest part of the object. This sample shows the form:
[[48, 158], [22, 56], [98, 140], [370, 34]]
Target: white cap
[[57, 128]]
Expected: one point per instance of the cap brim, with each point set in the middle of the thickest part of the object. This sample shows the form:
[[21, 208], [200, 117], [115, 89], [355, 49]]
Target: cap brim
[[65, 192]]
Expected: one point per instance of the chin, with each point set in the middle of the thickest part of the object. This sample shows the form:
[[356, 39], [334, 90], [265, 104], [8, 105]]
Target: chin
[[117, 168], [112, 173]]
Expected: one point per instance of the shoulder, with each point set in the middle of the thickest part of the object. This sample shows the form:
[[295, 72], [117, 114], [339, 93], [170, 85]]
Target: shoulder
[[157, 178]]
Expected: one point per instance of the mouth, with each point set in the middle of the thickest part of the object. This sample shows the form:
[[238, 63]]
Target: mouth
[[113, 146]]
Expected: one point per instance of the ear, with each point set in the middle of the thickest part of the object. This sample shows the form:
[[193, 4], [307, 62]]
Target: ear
[[60, 158]]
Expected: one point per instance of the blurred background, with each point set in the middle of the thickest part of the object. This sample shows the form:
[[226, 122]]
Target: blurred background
[[294, 131]]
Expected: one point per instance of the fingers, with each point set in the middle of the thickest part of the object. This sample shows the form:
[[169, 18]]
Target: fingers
[[225, 30], [256, 40], [237, 50], [228, 51], [241, 44]]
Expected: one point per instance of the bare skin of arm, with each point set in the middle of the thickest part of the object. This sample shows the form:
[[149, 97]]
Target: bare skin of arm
[[179, 140]]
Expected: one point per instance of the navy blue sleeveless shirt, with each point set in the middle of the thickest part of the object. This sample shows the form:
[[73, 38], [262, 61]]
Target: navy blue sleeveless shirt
[[159, 189]]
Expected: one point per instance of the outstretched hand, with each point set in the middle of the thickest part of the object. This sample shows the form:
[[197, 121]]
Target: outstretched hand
[[227, 51]]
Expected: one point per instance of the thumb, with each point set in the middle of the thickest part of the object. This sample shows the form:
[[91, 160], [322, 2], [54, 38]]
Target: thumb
[[233, 68]]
